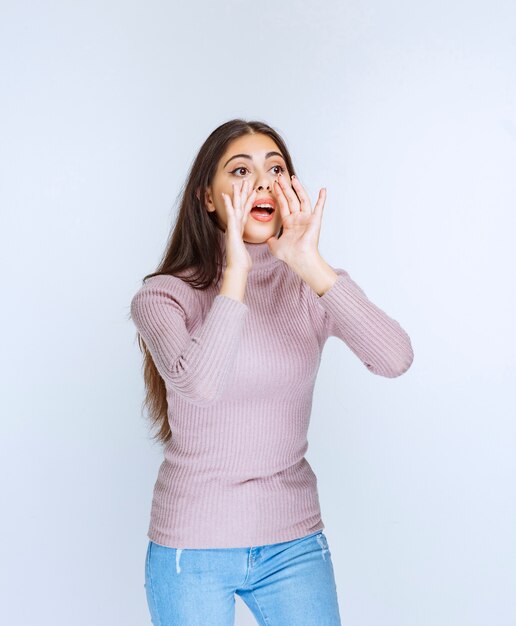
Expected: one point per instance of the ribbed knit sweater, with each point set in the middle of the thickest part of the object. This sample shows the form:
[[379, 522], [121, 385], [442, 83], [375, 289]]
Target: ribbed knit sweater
[[240, 379]]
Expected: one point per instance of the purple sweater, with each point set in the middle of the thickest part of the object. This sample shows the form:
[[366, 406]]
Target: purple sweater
[[240, 379]]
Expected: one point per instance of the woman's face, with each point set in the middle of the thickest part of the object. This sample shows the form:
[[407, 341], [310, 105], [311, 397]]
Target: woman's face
[[257, 159]]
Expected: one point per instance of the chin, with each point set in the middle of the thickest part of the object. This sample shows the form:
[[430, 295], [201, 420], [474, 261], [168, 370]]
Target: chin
[[261, 233]]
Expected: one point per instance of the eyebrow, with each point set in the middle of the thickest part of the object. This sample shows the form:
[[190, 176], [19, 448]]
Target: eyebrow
[[247, 156]]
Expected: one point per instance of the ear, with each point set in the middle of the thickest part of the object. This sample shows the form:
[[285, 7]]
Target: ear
[[208, 201]]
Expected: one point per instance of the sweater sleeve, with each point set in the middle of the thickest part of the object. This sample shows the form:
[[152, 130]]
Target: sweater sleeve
[[194, 365], [374, 337]]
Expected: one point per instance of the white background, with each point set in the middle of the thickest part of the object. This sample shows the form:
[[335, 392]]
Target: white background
[[406, 112]]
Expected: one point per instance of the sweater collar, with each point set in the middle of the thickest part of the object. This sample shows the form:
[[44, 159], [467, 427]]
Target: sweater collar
[[260, 254]]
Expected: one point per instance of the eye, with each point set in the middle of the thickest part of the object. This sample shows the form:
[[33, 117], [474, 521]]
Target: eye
[[245, 168], [238, 168]]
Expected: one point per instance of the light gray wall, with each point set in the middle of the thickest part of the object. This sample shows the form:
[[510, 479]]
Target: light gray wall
[[406, 112]]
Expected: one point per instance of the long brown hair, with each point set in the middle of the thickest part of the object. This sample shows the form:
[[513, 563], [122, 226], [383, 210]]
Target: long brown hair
[[193, 245]]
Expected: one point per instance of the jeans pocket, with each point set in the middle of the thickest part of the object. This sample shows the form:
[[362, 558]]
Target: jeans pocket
[[150, 591], [323, 543]]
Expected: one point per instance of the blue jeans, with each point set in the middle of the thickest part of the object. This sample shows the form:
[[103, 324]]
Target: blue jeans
[[283, 584]]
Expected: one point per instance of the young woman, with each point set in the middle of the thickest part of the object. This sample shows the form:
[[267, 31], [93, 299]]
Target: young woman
[[232, 325]]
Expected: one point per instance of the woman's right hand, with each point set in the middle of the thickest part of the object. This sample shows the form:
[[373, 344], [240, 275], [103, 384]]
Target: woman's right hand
[[238, 209]]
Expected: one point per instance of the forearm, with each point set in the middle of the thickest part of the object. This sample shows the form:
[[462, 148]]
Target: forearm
[[375, 337], [193, 363], [234, 283]]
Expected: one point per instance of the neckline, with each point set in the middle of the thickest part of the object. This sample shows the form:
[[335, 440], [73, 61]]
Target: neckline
[[260, 254]]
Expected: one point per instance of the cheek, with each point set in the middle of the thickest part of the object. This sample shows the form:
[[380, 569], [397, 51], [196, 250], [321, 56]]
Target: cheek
[[220, 204]]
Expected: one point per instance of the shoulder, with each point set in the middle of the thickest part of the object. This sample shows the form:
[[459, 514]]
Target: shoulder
[[166, 284], [164, 291]]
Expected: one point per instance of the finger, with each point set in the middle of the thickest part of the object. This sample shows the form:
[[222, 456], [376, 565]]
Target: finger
[[249, 200], [248, 192], [303, 196], [251, 190], [290, 195], [282, 200], [229, 208], [318, 209], [249, 205], [245, 194], [237, 193]]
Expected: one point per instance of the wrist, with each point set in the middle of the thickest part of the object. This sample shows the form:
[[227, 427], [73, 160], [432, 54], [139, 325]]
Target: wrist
[[237, 271], [306, 262], [314, 270]]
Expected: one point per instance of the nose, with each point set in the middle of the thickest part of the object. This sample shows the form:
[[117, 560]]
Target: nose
[[264, 181]]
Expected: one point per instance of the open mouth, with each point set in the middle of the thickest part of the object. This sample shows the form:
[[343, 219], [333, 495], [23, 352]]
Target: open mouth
[[262, 213], [259, 209], [263, 208]]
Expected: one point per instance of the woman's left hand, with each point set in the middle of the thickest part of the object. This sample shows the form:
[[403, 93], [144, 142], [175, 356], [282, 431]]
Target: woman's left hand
[[301, 226]]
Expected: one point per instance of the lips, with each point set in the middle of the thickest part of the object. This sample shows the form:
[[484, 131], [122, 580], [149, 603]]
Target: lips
[[265, 200], [261, 215]]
